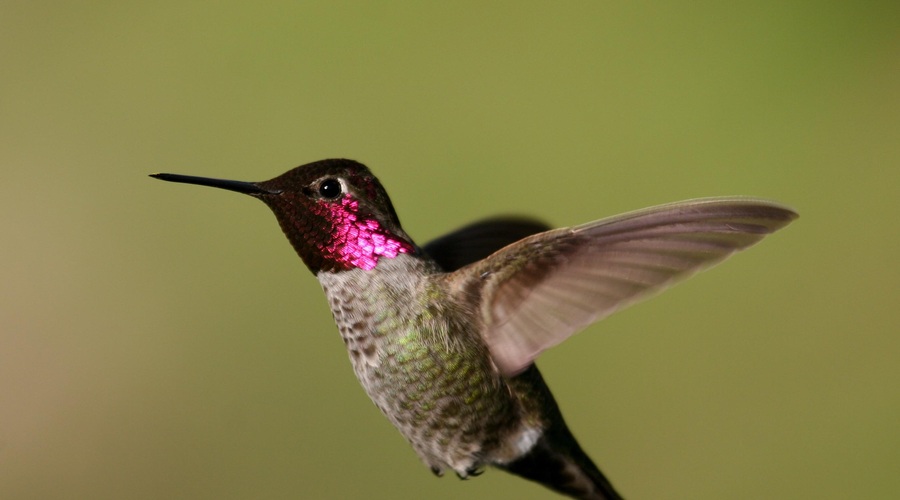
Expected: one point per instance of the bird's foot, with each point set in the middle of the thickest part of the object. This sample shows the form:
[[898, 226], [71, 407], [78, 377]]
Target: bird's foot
[[472, 471]]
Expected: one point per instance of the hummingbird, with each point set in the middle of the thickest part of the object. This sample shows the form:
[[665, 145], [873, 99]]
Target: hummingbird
[[443, 337]]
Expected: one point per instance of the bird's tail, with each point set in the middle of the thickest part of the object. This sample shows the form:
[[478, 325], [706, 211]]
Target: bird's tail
[[556, 460], [559, 463]]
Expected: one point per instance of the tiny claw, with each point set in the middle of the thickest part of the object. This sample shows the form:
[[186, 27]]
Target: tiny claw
[[473, 471], [437, 471]]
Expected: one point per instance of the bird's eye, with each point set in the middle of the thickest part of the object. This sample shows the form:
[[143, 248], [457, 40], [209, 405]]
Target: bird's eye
[[330, 189]]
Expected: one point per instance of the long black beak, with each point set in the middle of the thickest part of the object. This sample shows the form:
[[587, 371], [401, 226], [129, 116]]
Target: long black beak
[[239, 186]]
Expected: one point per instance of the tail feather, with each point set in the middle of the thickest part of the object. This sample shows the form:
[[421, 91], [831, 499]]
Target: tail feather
[[556, 461], [565, 469]]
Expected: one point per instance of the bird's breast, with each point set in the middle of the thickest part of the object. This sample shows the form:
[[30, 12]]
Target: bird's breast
[[422, 362]]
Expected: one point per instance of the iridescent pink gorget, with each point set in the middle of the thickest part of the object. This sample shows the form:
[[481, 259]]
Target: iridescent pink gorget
[[357, 241]]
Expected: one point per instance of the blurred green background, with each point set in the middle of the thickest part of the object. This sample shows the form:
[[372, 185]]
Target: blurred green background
[[163, 341]]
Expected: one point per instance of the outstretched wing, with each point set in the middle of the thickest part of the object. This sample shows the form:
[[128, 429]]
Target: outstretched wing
[[476, 241], [537, 292]]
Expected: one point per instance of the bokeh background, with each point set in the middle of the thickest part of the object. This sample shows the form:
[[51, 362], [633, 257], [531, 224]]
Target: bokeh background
[[163, 341]]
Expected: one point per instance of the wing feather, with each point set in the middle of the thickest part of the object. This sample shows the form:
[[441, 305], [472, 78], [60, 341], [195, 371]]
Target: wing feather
[[541, 290]]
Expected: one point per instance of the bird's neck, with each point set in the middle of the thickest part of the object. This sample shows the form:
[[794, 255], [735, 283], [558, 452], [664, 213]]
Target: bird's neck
[[370, 307]]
